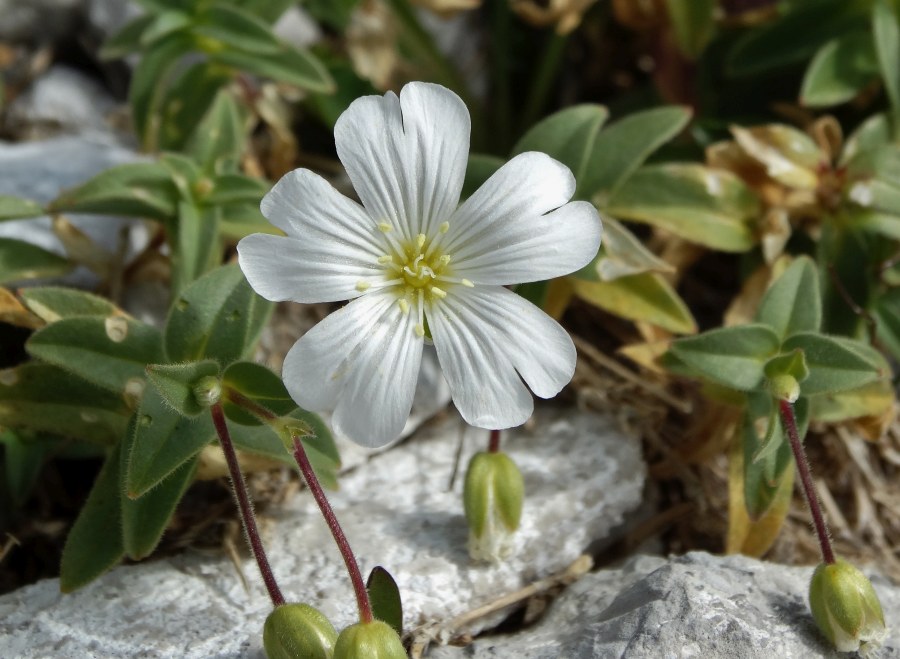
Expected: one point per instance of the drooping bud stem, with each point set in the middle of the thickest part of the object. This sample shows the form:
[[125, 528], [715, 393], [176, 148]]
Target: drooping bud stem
[[245, 507], [789, 422], [359, 586]]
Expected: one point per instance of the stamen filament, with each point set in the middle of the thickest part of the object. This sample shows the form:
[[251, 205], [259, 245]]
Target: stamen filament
[[454, 280]]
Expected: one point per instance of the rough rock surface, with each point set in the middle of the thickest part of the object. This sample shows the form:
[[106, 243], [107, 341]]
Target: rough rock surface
[[582, 477], [695, 605]]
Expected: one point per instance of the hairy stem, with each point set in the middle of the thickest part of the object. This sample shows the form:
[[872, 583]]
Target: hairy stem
[[812, 499], [359, 586], [239, 487]]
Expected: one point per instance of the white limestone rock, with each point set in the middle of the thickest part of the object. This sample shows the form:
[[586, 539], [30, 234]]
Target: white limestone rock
[[582, 477], [697, 605]]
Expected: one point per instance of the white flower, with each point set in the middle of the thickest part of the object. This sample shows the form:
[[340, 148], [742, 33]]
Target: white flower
[[417, 264]]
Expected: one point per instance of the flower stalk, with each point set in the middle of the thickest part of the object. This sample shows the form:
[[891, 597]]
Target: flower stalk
[[812, 499], [245, 506], [494, 442]]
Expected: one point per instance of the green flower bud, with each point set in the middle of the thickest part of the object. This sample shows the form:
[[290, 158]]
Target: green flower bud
[[207, 391], [369, 640], [846, 608], [785, 387], [493, 495], [293, 631]]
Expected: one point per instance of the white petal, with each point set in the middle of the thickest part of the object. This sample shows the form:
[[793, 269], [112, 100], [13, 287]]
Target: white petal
[[362, 361], [331, 245], [406, 157], [483, 382], [518, 227]]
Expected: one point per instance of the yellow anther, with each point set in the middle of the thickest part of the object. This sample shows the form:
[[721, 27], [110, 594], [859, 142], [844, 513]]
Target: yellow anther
[[384, 227], [420, 330], [466, 282], [444, 228], [404, 306], [445, 259], [438, 292], [387, 258], [420, 240], [363, 286]]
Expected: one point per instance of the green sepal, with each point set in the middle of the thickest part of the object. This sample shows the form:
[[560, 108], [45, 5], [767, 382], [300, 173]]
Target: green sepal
[[295, 630], [109, 352], [95, 544], [493, 487], [369, 640], [384, 596], [731, 356], [846, 607], [792, 364], [175, 383]]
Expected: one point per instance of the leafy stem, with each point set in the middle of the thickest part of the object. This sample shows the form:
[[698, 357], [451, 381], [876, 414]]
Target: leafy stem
[[239, 487], [812, 499]]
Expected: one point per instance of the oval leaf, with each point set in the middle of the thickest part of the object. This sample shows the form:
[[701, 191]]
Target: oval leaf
[[52, 303], [20, 260], [385, 598], [836, 363], [259, 384], [175, 383], [14, 208], [840, 70], [793, 303]]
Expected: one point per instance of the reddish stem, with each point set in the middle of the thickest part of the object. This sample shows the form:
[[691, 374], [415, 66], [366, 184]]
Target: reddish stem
[[359, 586], [494, 442], [239, 487], [809, 490]]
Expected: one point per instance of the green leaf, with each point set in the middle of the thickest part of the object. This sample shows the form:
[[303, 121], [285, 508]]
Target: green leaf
[[44, 398], [216, 317], [143, 189], [198, 247], [693, 22], [731, 356], [767, 459], [52, 303], [624, 146], [15, 208], [320, 449], [108, 352], [260, 385], [870, 136], [480, 168], [20, 260], [385, 598], [839, 71], [887, 46], [219, 138], [163, 441], [164, 24], [707, 206], [621, 255], [148, 82], [295, 67], [795, 37], [187, 99], [645, 297], [176, 382], [127, 40], [237, 29], [145, 519], [871, 400], [268, 10], [836, 363], [94, 544], [239, 220], [237, 189], [570, 136], [887, 318], [23, 459], [793, 303]]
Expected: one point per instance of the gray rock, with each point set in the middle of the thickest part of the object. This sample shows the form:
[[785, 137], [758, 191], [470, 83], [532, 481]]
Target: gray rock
[[41, 170], [108, 16], [582, 477], [695, 605], [62, 100], [39, 20]]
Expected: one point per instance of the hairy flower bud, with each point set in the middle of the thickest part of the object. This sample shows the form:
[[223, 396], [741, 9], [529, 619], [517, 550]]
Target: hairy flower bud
[[298, 630], [369, 640], [493, 495], [208, 391], [846, 608]]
